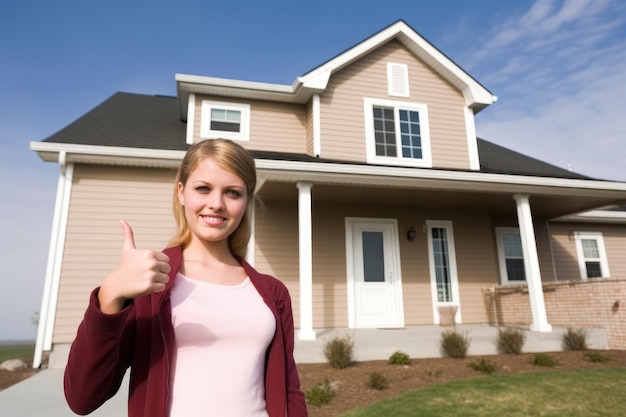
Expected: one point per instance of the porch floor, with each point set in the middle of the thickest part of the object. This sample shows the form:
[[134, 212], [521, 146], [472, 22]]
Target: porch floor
[[423, 341]]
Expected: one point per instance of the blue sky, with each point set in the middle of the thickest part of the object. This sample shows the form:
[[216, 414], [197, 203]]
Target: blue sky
[[557, 66]]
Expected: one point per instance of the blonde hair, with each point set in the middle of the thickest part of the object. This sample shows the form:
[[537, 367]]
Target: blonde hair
[[231, 157]]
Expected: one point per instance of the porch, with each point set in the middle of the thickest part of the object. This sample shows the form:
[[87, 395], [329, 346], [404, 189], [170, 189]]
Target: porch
[[423, 341]]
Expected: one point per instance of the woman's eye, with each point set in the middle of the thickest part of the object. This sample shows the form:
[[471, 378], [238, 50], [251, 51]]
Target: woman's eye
[[233, 193], [202, 189]]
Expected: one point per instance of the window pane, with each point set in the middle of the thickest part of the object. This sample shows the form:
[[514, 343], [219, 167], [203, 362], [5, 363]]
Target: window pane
[[590, 248], [515, 270], [373, 257], [593, 269], [512, 245], [384, 131], [226, 120], [441, 262], [409, 125]]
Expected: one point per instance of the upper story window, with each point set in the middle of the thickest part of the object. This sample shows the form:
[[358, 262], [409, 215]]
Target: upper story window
[[225, 120], [510, 255], [397, 133], [591, 253]]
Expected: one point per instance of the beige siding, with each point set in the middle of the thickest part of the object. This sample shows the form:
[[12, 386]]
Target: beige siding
[[101, 196], [564, 247], [273, 126], [476, 262], [276, 249], [342, 112]]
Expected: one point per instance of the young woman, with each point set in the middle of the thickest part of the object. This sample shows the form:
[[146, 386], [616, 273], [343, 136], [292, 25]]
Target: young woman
[[203, 333]]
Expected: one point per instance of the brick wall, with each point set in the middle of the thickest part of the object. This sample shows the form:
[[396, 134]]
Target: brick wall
[[594, 303]]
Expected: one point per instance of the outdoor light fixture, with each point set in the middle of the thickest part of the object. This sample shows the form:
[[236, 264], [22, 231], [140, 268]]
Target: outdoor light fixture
[[410, 234]]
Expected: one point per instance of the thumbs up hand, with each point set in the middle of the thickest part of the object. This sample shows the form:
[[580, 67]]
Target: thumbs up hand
[[139, 272]]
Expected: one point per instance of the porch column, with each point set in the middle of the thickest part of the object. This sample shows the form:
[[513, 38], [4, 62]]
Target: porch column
[[531, 265], [305, 248]]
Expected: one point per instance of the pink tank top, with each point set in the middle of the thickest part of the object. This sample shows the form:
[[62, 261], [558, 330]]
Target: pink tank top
[[222, 334]]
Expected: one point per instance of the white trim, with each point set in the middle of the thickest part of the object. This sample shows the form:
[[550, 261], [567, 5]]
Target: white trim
[[474, 93], [305, 249], [317, 126], [346, 173], [191, 118], [231, 83], [350, 223], [205, 122], [472, 140], [422, 109], [531, 265], [47, 312], [397, 79], [599, 238], [454, 276], [504, 277], [596, 216]]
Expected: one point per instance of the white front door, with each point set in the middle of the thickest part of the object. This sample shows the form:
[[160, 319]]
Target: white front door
[[374, 278]]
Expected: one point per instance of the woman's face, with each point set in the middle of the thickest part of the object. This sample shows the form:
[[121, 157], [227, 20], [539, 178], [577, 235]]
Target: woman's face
[[214, 201]]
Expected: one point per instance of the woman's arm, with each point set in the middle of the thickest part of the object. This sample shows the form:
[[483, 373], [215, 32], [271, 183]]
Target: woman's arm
[[296, 403], [99, 356]]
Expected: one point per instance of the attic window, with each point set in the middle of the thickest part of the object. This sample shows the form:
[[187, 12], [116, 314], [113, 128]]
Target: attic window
[[397, 133], [397, 79], [225, 120]]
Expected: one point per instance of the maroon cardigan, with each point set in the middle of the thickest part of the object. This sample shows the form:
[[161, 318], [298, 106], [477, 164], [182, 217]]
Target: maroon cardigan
[[141, 337]]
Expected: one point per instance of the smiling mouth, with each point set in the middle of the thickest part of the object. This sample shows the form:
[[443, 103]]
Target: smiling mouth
[[213, 219]]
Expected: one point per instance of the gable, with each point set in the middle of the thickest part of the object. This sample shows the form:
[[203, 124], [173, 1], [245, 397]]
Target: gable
[[344, 117]]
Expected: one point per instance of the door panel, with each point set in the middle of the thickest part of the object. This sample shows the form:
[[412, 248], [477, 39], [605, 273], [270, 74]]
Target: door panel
[[376, 281]]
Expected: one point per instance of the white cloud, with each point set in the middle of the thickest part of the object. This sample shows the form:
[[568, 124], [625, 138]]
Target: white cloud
[[559, 70]]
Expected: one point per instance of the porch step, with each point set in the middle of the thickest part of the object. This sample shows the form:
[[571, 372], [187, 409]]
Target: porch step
[[423, 342]]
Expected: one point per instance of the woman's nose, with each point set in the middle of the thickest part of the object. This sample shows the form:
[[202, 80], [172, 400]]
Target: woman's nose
[[215, 201]]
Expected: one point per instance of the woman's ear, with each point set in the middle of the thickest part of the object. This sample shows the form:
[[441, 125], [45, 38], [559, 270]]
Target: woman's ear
[[181, 199]]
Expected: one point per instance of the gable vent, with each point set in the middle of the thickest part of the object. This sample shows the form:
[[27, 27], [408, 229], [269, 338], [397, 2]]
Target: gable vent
[[398, 79]]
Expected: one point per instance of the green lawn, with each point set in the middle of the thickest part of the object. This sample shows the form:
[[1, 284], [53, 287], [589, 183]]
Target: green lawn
[[584, 393], [16, 352]]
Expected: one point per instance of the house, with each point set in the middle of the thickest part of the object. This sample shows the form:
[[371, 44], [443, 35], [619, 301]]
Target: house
[[381, 208]]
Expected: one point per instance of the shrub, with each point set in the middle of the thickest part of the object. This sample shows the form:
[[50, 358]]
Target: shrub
[[596, 357], [454, 344], [542, 359], [484, 365], [320, 394], [510, 340], [399, 358], [377, 381], [575, 339], [338, 352]]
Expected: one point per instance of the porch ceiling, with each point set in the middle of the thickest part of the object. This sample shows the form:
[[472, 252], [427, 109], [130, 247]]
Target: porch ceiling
[[545, 206]]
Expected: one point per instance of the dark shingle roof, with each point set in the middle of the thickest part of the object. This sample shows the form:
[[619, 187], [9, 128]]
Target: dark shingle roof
[[143, 121], [128, 120], [500, 160]]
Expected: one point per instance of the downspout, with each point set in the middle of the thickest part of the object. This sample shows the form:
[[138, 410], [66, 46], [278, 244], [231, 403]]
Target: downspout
[[53, 266]]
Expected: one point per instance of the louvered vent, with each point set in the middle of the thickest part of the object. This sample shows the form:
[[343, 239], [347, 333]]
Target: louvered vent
[[398, 79]]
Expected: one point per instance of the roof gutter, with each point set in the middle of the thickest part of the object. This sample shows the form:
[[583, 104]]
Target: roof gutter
[[345, 173]]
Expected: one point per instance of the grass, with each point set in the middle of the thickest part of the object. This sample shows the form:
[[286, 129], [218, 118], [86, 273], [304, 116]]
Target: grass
[[16, 352], [569, 393]]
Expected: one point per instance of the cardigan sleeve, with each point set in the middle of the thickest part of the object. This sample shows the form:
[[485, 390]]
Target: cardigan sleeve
[[296, 403], [99, 357]]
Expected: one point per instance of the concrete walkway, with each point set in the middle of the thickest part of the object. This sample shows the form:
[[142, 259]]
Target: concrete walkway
[[42, 394]]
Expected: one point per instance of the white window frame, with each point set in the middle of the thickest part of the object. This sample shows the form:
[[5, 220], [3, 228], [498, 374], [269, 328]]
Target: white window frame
[[504, 275], [205, 125], [422, 109], [454, 276], [582, 262]]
